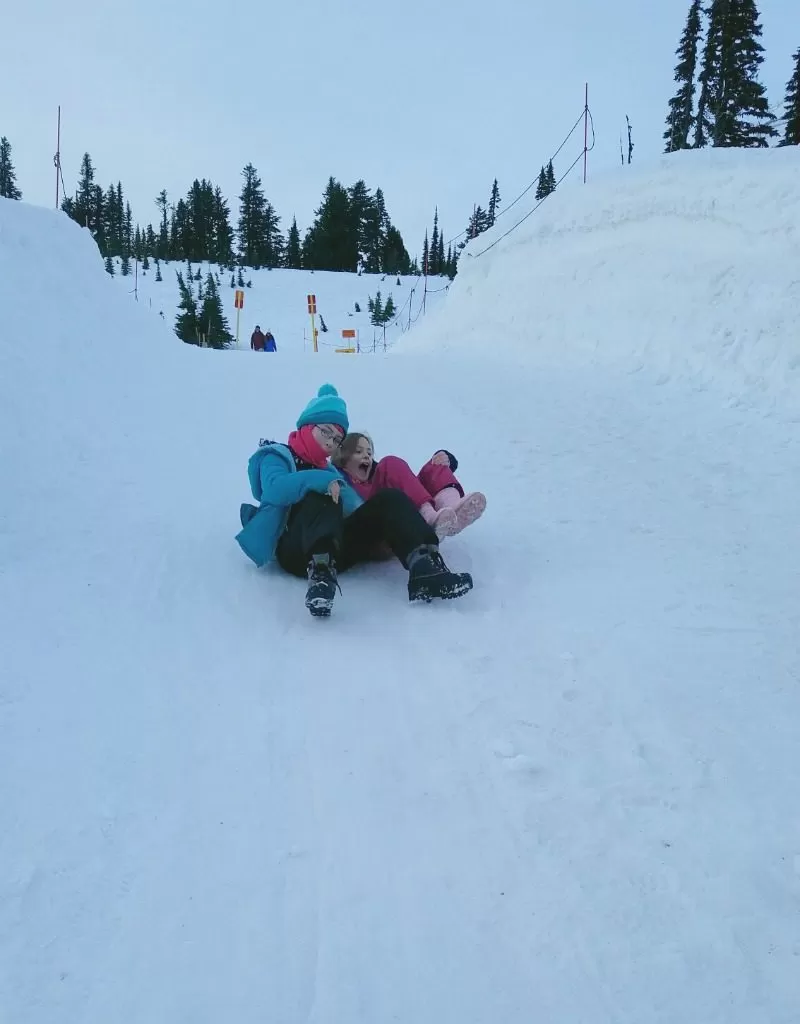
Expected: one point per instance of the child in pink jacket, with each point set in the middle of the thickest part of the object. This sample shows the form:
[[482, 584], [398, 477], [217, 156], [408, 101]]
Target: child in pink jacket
[[435, 490]]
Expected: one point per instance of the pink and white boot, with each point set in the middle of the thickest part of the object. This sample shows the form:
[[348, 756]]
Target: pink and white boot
[[465, 510], [443, 520]]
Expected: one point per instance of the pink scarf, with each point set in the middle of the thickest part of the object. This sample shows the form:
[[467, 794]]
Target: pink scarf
[[303, 443]]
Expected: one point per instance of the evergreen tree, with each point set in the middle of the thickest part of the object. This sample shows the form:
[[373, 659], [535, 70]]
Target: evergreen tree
[[198, 233], [440, 264], [376, 310], [494, 202], [240, 279], [222, 244], [293, 257], [8, 176], [260, 239], [364, 225], [551, 178], [709, 76], [180, 242], [791, 133], [81, 208], [186, 323], [150, 242], [138, 250], [681, 106], [433, 251], [383, 243], [733, 108], [389, 310], [541, 188], [162, 249], [212, 322], [98, 219], [395, 255], [145, 262], [425, 255], [252, 209], [159, 276], [112, 222], [127, 239], [109, 266], [125, 265], [332, 241]]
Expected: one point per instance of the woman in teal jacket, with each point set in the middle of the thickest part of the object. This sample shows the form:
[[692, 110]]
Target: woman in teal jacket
[[313, 522]]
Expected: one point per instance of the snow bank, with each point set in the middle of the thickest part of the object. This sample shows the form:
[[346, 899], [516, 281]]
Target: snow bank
[[689, 268], [570, 796]]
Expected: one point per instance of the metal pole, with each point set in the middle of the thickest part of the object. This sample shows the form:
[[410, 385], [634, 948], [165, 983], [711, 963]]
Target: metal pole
[[58, 153], [585, 131]]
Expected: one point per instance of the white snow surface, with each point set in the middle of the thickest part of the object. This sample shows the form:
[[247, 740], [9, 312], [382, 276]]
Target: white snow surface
[[571, 796], [688, 268], [277, 300]]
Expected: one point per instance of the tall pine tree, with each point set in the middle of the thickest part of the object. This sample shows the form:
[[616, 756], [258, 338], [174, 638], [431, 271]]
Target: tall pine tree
[[186, 322], [331, 243], [222, 240], [433, 251], [395, 259], [293, 258], [162, 250], [551, 178], [211, 320], [541, 188], [8, 176], [681, 106], [733, 108], [494, 202], [791, 132]]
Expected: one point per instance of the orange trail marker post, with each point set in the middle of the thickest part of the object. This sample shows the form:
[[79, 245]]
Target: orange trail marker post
[[238, 301], [312, 310]]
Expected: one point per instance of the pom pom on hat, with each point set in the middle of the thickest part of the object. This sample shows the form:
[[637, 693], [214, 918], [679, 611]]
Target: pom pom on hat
[[327, 407]]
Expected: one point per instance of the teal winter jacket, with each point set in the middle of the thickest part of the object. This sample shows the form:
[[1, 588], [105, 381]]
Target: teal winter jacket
[[277, 484]]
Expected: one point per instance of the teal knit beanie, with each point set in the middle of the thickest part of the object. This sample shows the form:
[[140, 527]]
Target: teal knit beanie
[[327, 407]]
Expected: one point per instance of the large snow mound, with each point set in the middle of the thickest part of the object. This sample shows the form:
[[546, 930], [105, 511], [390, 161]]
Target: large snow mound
[[570, 796], [689, 268]]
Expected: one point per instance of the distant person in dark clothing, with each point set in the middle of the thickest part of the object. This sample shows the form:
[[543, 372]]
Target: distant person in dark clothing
[[257, 340], [269, 342]]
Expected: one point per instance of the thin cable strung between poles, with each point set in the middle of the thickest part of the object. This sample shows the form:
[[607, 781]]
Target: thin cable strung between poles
[[522, 220]]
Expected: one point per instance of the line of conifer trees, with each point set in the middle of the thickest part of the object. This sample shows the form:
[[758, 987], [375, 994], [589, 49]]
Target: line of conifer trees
[[719, 100], [351, 229]]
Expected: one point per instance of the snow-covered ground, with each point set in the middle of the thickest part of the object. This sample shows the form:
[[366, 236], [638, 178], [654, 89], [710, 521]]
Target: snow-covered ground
[[277, 301], [570, 796], [689, 269]]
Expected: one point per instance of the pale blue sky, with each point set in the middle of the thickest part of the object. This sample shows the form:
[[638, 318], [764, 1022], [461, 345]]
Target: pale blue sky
[[430, 101]]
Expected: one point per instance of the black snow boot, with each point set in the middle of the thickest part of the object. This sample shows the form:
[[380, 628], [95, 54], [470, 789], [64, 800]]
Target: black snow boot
[[322, 585], [429, 577]]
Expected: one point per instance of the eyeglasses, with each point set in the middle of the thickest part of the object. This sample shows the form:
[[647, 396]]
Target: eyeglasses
[[333, 436]]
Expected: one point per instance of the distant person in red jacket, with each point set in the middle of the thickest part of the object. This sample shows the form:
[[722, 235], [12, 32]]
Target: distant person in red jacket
[[257, 340]]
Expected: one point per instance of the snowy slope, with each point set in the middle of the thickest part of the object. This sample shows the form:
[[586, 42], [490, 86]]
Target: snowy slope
[[571, 796], [689, 269], [276, 301]]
